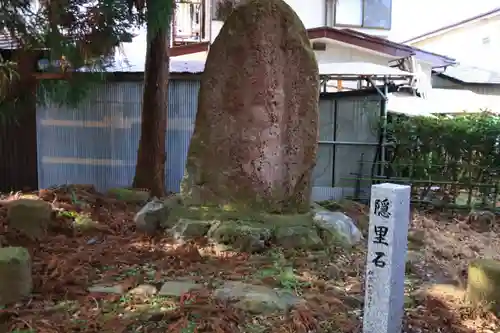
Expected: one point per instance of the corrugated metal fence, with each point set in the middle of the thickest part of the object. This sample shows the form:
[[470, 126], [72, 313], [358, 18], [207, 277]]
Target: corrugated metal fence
[[97, 143], [348, 135]]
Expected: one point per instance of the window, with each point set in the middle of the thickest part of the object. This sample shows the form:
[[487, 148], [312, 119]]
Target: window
[[363, 13]]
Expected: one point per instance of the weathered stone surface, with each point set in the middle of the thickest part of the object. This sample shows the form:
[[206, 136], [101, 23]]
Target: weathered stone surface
[[178, 288], [298, 237], [30, 217], [255, 138], [336, 227], [143, 290], [241, 235], [257, 299], [116, 289], [483, 284], [15, 274], [187, 229], [155, 214]]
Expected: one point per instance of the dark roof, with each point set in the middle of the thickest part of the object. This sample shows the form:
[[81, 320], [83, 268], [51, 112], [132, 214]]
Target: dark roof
[[352, 37], [470, 75], [455, 25]]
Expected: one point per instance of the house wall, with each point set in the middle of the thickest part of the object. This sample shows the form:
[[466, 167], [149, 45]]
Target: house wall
[[97, 143], [312, 15], [476, 44], [492, 90]]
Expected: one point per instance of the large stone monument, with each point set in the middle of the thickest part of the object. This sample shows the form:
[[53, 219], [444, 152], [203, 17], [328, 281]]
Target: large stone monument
[[256, 131]]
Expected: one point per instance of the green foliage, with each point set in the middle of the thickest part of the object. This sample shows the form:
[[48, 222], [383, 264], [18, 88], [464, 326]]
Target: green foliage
[[460, 151]]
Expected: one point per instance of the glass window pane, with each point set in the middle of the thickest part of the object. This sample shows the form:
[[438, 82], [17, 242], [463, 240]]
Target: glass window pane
[[349, 12], [377, 14]]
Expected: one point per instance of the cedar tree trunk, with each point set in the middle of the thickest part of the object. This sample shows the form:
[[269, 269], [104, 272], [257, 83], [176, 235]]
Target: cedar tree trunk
[[150, 168]]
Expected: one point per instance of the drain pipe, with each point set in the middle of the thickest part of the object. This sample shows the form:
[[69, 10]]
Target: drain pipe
[[326, 13]]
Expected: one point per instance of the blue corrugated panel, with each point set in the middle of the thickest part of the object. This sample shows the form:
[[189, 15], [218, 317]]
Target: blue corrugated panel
[[97, 143]]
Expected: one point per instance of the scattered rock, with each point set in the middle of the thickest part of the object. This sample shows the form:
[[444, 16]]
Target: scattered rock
[[178, 288], [333, 272], [116, 289], [298, 237], [240, 235], [416, 238], [15, 274], [30, 217], [129, 195], [257, 299], [483, 285], [143, 290], [414, 262], [481, 221], [188, 229], [153, 215], [444, 292], [336, 227]]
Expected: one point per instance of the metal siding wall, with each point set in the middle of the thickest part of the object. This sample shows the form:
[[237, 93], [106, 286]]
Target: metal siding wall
[[323, 171], [97, 143], [337, 164], [182, 107], [357, 120], [485, 90]]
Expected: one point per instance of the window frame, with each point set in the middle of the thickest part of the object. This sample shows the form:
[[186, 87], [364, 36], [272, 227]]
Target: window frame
[[363, 8]]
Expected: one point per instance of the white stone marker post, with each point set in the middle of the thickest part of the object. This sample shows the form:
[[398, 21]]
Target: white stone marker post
[[386, 258]]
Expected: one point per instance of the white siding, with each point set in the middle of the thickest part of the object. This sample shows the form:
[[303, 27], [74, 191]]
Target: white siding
[[468, 44], [312, 14]]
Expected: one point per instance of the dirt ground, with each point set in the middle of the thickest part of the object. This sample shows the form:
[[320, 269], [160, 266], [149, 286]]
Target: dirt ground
[[68, 261]]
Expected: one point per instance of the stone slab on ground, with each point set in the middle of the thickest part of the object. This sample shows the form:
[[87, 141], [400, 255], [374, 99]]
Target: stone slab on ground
[[257, 299], [29, 217], [105, 289], [15, 274], [178, 288], [143, 290]]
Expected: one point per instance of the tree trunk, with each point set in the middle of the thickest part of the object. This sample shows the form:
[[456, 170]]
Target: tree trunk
[[150, 168]]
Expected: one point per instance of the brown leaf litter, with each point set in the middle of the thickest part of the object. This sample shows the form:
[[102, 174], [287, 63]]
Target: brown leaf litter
[[68, 261]]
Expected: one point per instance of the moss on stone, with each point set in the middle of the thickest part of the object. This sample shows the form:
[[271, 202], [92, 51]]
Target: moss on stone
[[483, 285], [129, 195], [15, 274], [30, 217]]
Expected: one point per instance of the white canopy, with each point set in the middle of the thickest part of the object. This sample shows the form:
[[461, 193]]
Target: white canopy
[[357, 69], [442, 101]]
